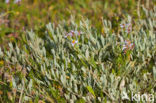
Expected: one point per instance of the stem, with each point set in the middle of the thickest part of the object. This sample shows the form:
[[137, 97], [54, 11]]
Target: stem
[[20, 100], [138, 8], [147, 3]]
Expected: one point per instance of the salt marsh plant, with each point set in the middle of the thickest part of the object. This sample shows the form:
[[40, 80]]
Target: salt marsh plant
[[96, 69]]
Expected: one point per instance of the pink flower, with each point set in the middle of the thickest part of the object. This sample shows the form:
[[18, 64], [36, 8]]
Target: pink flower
[[122, 25], [77, 33], [127, 46], [7, 1], [72, 33], [68, 34], [128, 27], [74, 42], [17, 1], [124, 47]]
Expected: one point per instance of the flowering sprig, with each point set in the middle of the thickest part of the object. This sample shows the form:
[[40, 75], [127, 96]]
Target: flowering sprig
[[127, 46], [72, 35], [127, 27]]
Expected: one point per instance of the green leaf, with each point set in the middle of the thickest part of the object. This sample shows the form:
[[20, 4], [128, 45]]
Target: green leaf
[[80, 101], [154, 72], [91, 90]]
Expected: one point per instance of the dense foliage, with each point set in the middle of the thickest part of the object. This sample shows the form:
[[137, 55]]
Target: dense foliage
[[74, 59]]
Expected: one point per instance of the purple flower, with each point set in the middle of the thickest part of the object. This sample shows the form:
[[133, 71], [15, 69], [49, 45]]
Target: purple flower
[[7, 1], [73, 33], [124, 47], [17, 1], [77, 33], [69, 34], [122, 25], [127, 46], [127, 27]]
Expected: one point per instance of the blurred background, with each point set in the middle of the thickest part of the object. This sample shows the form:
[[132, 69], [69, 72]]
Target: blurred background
[[35, 14]]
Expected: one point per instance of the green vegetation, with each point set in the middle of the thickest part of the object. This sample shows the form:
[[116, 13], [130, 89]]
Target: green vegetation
[[77, 51]]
